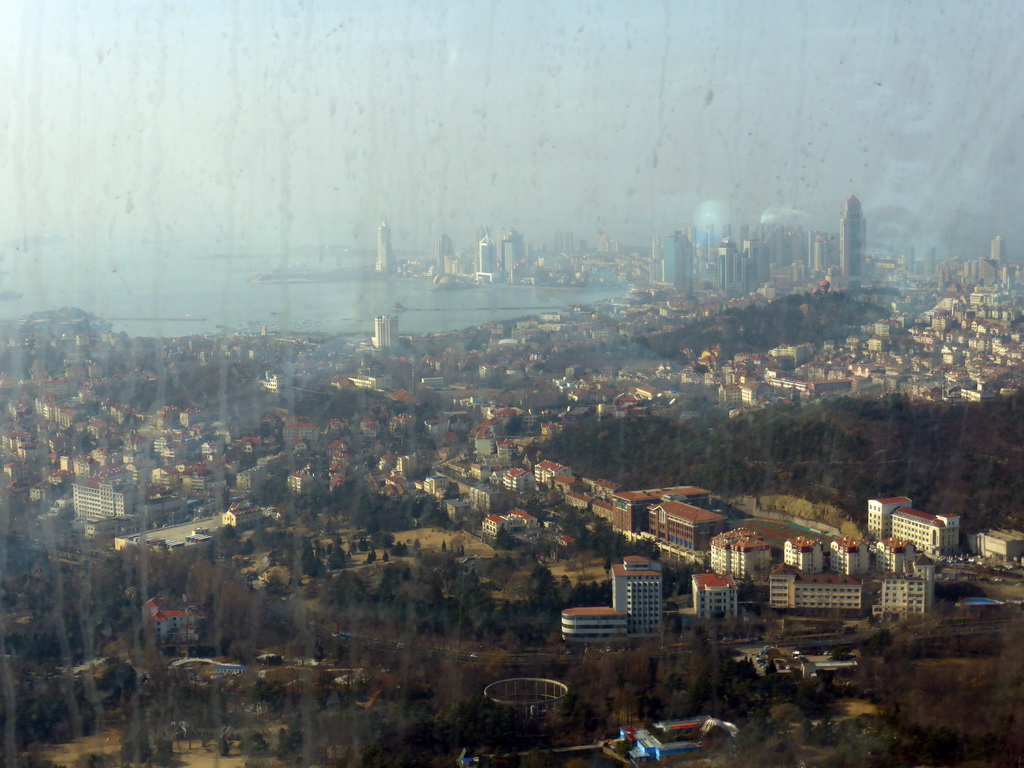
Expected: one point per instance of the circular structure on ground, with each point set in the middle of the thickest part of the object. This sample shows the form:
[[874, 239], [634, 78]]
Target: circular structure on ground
[[531, 696]]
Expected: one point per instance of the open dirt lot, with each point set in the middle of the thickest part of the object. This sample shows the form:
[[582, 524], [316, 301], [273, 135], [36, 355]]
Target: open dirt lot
[[580, 569], [431, 538]]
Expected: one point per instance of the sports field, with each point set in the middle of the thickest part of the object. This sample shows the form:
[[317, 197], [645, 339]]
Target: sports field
[[775, 532]]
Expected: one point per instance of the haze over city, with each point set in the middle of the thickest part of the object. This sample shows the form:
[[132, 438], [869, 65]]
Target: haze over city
[[213, 128]]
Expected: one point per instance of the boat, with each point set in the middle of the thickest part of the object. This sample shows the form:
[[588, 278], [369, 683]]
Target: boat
[[398, 307], [10, 295]]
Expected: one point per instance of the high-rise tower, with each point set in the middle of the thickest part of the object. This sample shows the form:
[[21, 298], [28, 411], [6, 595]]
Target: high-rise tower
[[443, 252], [997, 249], [487, 256], [385, 331], [385, 260], [852, 242], [676, 260]]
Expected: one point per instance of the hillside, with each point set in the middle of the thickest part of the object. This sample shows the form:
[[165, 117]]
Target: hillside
[[797, 319], [963, 458]]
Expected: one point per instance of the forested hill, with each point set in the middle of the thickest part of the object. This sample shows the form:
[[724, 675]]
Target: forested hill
[[965, 458], [796, 319]]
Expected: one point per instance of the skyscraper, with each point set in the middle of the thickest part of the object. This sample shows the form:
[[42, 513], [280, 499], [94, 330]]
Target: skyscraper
[[487, 256], [443, 252], [385, 331], [676, 260], [997, 249], [734, 271], [852, 242], [385, 260], [513, 250]]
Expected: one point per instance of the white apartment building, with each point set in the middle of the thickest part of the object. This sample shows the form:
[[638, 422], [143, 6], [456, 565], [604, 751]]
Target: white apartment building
[[714, 596], [934, 535], [806, 554], [113, 495], [789, 588], [895, 556], [849, 556], [880, 515], [385, 331], [740, 553], [906, 593]]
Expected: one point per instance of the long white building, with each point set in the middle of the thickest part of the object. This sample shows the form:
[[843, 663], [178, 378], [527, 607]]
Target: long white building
[[112, 495], [935, 535]]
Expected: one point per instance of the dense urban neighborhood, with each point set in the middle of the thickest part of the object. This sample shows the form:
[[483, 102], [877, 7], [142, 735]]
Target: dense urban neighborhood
[[677, 525]]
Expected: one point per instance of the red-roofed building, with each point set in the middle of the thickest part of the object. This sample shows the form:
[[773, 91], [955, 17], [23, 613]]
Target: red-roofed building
[[714, 596], [740, 552], [880, 515], [588, 625], [631, 507], [849, 556], [934, 535], [515, 519], [678, 525], [171, 626], [806, 554], [518, 480], [895, 555]]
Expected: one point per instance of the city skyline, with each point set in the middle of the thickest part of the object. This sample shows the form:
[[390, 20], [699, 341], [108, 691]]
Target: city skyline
[[262, 132]]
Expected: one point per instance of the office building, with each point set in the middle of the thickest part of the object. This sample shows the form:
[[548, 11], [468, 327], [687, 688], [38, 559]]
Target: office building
[[487, 257], [513, 251], [385, 331], [673, 263], [636, 589], [635, 610], [678, 525], [385, 257], [997, 253], [443, 254], [852, 243]]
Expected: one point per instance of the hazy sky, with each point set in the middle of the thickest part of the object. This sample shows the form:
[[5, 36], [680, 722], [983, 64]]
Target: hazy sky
[[257, 126]]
